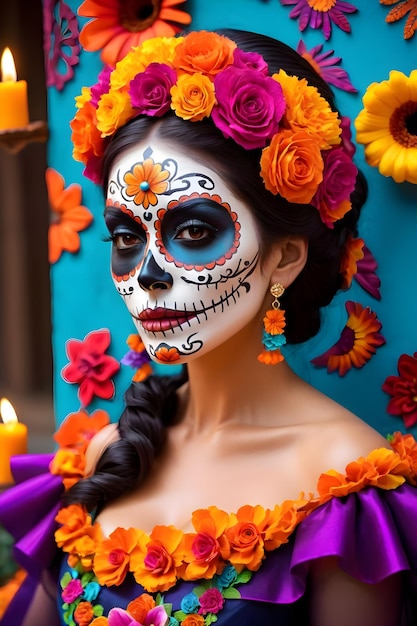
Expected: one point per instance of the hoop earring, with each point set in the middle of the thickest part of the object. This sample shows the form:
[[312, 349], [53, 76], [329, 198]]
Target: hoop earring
[[273, 336]]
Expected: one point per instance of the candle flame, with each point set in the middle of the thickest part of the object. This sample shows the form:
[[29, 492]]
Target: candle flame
[[8, 68], [7, 412]]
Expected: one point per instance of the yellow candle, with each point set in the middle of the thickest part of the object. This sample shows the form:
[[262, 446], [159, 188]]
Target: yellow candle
[[13, 95], [13, 440]]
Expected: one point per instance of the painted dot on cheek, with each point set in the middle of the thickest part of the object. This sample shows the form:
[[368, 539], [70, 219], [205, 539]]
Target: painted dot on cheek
[[144, 185]]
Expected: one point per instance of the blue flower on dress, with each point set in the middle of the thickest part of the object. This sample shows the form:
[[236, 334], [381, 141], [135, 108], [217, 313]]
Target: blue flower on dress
[[227, 577], [190, 603], [91, 591]]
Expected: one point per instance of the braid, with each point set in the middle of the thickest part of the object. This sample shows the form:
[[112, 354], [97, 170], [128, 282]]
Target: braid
[[150, 406]]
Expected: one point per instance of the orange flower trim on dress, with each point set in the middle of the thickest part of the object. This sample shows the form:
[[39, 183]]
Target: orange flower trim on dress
[[239, 539]]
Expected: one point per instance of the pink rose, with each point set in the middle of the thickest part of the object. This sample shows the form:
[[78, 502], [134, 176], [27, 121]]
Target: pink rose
[[211, 601], [249, 106], [150, 90], [72, 591], [339, 179], [250, 61], [205, 547]]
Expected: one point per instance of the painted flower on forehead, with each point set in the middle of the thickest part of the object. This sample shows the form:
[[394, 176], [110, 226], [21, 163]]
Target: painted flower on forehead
[[358, 341], [249, 106], [193, 97], [387, 126], [117, 26], [327, 66], [205, 52], [320, 14], [403, 390], [150, 90], [145, 181]]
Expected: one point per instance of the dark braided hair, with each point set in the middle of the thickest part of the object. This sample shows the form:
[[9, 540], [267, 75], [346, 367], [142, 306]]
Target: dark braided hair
[[151, 405]]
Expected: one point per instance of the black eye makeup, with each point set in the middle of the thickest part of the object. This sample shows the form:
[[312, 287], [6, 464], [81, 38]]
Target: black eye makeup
[[129, 238], [197, 232]]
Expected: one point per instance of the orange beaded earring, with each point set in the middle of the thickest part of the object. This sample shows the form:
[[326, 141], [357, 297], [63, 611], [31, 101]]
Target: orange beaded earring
[[274, 323]]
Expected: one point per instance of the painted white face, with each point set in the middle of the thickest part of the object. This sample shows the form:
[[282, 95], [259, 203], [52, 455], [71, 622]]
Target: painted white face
[[185, 254]]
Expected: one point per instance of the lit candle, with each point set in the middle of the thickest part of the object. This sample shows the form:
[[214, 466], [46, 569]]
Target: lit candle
[[13, 95], [13, 439]]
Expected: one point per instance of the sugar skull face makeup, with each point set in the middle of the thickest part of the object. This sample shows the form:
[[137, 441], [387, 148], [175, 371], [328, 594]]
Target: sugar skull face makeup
[[185, 253]]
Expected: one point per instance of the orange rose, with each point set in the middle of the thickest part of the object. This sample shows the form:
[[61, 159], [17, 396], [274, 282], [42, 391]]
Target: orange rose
[[100, 621], [193, 97], [83, 614], [112, 558], [193, 620], [204, 52], [114, 110], [292, 166], [283, 519], [245, 537], [139, 607]]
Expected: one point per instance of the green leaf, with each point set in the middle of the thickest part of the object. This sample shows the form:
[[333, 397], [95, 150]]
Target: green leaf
[[65, 579], [231, 593], [98, 610], [180, 615], [168, 608], [244, 577], [210, 619], [200, 589], [86, 578], [159, 599]]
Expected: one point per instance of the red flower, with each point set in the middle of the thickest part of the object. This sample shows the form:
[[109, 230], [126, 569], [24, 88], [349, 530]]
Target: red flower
[[90, 367], [403, 389]]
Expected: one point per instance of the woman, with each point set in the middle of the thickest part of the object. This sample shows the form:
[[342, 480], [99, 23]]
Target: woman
[[220, 156]]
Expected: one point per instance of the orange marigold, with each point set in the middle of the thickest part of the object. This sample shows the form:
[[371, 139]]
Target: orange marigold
[[270, 357], [206, 550], [281, 522], [156, 559], [76, 523], [193, 620], [245, 537], [274, 321], [112, 558], [406, 447]]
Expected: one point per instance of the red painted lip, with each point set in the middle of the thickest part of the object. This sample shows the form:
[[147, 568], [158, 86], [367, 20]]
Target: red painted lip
[[160, 319]]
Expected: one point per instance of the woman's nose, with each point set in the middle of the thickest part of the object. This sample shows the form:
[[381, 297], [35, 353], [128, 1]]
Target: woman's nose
[[152, 276]]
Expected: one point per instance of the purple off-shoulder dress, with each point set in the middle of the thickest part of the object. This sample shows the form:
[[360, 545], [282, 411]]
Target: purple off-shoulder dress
[[371, 532]]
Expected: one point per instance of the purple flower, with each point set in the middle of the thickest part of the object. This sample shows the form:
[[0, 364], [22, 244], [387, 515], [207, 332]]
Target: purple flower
[[339, 179], [135, 359], [211, 601], [321, 18], [249, 61], [326, 65], [150, 90], [72, 591], [249, 106], [102, 85]]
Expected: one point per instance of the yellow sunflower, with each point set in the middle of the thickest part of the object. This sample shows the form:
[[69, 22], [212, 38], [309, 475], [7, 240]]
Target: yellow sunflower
[[119, 25], [387, 126]]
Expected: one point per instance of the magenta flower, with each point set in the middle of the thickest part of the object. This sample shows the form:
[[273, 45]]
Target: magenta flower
[[102, 85], [366, 275], [403, 389], [155, 617], [90, 367], [211, 601], [150, 90], [250, 61], [326, 65], [339, 179], [205, 547], [249, 106], [321, 18], [72, 591], [61, 46]]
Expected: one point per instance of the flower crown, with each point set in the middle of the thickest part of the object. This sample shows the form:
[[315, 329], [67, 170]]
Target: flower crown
[[306, 150]]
